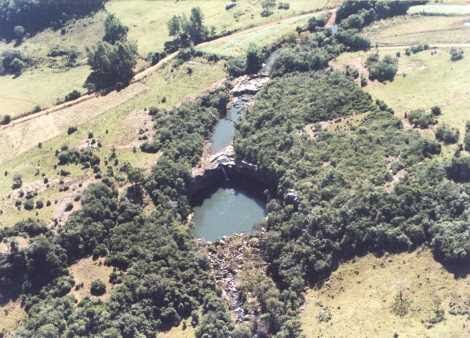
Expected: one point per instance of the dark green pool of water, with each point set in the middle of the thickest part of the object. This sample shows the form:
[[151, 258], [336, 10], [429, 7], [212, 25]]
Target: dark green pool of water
[[225, 212], [224, 130]]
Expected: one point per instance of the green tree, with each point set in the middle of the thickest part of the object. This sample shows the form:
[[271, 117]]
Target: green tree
[[111, 64], [97, 288], [253, 60], [114, 29], [175, 25], [466, 140]]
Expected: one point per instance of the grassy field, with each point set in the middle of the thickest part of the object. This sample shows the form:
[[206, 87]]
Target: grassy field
[[147, 20], [380, 297], [424, 80], [238, 43], [180, 332], [49, 78], [38, 87], [117, 127], [408, 30]]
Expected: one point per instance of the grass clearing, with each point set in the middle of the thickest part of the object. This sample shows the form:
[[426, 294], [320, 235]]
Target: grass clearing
[[11, 314], [238, 43], [86, 271], [38, 87], [116, 127], [49, 78], [182, 331], [147, 20], [424, 80], [378, 297], [409, 30]]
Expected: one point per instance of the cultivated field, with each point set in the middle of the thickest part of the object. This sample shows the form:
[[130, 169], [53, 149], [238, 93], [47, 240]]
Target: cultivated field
[[408, 30], [406, 295], [440, 9]]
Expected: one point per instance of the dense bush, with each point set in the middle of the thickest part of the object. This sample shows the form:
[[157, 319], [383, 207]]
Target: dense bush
[[314, 23], [466, 140], [456, 54], [73, 95], [358, 13], [342, 208], [416, 49], [33, 15], [382, 69], [5, 119], [446, 134], [97, 288], [421, 119], [13, 62]]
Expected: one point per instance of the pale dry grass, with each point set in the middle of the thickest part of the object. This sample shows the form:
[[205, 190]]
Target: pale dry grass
[[22, 243], [360, 296], [179, 332], [86, 271], [11, 315]]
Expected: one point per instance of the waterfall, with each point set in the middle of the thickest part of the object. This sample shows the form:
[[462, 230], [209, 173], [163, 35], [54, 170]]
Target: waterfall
[[225, 173]]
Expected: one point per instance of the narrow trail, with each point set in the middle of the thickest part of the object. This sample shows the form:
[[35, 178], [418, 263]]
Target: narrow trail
[[384, 45]]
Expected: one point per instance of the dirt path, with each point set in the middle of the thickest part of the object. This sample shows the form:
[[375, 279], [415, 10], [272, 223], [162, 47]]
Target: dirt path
[[384, 45]]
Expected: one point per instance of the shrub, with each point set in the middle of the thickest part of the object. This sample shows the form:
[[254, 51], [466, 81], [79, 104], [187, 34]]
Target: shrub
[[436, 111], [466, 140], [283, 5], [114, 30], [299, 60], [446, 134], [382, 70], [456, 54], [39, 204], [267, 7], [71, 130], [314, 23], [73, 95], [14, 62], [97, 288], [236, 67], [459, 169], [17, 182], [28, 205], [5, 119], [421, 119]]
